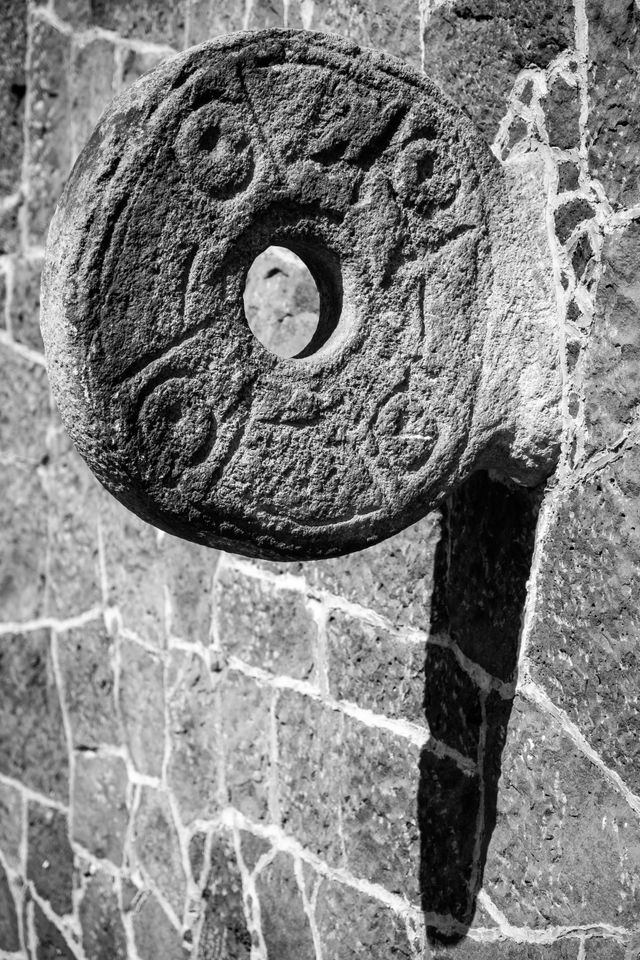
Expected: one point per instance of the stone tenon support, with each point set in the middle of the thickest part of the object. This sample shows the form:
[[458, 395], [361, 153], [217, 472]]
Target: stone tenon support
[[436, 350]]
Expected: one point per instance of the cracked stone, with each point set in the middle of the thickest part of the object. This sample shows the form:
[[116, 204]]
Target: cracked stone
[[11, 825], [285, 925], [245, 712], [9, 934], [154, 934], [85, 657], [562, 113], [224, 931], [157, 847], [353, 925], [51, 945]]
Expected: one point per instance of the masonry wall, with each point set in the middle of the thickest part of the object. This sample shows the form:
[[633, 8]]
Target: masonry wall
[[429, 748]]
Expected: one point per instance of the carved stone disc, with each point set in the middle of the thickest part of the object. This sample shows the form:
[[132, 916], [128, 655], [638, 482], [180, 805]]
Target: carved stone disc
[[361, 167]]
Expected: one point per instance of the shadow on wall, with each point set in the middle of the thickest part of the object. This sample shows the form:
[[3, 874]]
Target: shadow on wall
[[481, 570]]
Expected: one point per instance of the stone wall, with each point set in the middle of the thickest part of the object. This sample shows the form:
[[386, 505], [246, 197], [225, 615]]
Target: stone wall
[[426, 749]]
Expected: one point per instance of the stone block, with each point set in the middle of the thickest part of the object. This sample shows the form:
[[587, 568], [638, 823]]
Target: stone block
[[188, 577], [378, 807], [49, 856], [103, 936], [224, 931], [24, 414], [352, 925], [93, 86], [562, 114], [582, 648], [24, 304], [33, 748], [12, 94], [614, 98], [569, 215], [157, 847], [11, 809], [100, 814], [9, 931], [245, 709], [134, 570], [194, 736], [310, 750], [157, 21], [154, 934], [611, 370], [371, 667], [49, 144], [73, 574], [561, 949], [605, 948], [394, 578], [475, 50], [208, 19], [570, 851], [85, 655], [141, 701], [284, 922], [265, 627]]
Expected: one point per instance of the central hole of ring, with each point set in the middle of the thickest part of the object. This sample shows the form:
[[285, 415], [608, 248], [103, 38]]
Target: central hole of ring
[[293, 300]]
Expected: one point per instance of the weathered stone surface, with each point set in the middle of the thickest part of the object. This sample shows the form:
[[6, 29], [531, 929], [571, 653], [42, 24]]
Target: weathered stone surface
[[49, 144], [561, 949], [155, 936], [612, 362], [569, 215], [92, 71], [33, 748], [24, 305], [12, 94], [188, 581], [73, 563], [194, 735], [49, 856], [51, 945], [404, 388], [605, 948], [321, 782], [267, 628], [573, 852], [224, 931], [245, 712], [24, 413], [103, 936], [372, 668], [562, 114], [583, 647], [141, 701], [86, 664], [614, 97], [9, 934], [285, 925], [157, 847], [475, 50], [394, 578], [100, 814], [352, 925], [11, 825], [161, 21]]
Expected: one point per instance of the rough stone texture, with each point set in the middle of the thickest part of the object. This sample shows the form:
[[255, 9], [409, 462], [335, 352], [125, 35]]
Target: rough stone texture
[[353, 925], [11, 819], [614, 127], [285, 925], [9, 932], [141, 701], [372, 668], [157, 847], [224, 930], [86, 665], [155, 936], [100, 805], [103, 935], [194, 734], [274, 633], [66, 548], [32, 742], [49, 856], [12, 95], [361, 167], [245, 708]]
